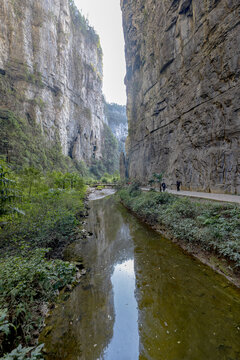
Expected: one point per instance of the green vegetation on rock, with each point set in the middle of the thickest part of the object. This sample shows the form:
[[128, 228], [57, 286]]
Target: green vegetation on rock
[[116, 114], [213, 226], [81, 21], [24, 144], [117, 121], [110, 151], [109, 162]]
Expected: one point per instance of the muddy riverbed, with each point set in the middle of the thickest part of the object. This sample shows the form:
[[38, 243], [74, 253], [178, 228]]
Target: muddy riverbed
[[141, 298]]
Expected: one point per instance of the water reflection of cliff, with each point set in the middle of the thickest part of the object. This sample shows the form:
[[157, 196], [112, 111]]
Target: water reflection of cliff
[[82, 327]]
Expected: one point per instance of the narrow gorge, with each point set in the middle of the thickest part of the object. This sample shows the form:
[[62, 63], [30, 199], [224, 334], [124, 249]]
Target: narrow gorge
[[183, 87], [101, 257]]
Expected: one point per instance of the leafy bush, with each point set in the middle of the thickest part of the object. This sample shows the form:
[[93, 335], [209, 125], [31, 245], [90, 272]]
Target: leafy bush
[[134, 189], [25, 281], [5, 326], [48, 220], [157, 178], [20, 353], [7, 191], [214, 226], [104, 180], [48, 214]]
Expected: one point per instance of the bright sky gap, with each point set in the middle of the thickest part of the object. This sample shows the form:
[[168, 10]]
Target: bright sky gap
[[106, 18]]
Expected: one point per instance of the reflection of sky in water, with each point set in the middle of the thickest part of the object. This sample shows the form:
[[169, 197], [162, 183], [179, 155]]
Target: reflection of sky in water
[[125, 342]]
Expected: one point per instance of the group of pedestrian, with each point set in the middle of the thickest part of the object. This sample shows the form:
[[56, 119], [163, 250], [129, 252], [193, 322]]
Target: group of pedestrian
[[164, 186]]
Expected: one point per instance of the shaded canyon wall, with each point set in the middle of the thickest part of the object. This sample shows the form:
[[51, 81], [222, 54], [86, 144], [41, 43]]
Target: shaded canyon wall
[[183, 67]]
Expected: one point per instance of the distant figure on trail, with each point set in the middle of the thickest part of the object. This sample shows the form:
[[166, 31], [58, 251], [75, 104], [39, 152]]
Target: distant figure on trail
[[164, 186], [178, 185]]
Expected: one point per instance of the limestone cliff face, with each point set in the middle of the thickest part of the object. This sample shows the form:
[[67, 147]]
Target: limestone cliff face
[[51, 61], [183, 67]]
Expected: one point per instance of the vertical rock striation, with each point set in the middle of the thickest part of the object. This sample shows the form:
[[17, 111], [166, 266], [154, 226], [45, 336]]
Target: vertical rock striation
[[183, 67], [51, 73]]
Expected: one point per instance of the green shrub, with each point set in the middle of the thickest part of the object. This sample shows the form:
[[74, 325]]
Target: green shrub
[[104, 180], [21, 353], [7, 189], [134, 189], [5, 325], [25, 281], [213, 226], [48, 214]]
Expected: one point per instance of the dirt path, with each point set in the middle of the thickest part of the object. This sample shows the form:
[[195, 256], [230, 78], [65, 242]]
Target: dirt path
[[209, 196], [203, 195]]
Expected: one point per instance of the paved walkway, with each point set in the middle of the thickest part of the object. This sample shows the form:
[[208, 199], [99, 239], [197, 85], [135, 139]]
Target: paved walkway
[[203, 195]]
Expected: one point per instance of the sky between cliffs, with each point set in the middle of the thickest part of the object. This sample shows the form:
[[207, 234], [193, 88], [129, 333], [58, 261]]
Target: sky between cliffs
[[105, 16]]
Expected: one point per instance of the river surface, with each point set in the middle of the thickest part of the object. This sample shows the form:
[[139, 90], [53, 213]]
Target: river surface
[[141, 298]]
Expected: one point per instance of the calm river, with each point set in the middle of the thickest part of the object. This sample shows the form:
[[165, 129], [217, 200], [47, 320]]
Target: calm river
[[141, 298]]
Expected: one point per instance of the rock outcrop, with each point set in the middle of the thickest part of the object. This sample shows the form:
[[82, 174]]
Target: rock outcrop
[[183, 67], [51, 73]]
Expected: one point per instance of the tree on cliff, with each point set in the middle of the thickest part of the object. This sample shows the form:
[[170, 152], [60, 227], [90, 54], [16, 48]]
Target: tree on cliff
[[157, 178]]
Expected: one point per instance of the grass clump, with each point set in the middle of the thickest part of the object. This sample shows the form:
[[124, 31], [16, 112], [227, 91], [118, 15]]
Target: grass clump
[[213, 226]]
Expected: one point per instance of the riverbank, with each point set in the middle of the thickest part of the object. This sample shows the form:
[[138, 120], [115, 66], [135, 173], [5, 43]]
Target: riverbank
[[32, 241], [207, 230]]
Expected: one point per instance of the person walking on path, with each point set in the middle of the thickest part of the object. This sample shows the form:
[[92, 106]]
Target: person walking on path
[[178, 185], [164, 186]]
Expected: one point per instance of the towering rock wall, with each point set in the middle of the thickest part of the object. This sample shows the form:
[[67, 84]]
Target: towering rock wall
[[51, 73], [183, 67], [117, 121]]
